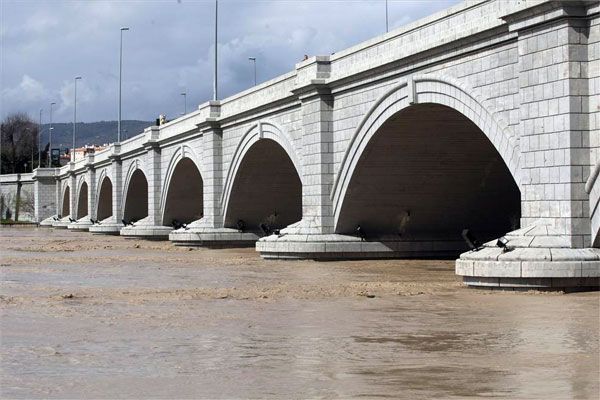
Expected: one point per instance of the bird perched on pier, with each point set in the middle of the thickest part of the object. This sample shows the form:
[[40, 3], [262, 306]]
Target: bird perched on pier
[[240, 225], [361, 233]]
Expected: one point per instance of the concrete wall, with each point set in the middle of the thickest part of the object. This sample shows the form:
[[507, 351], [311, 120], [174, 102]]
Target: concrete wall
[[17, 190]]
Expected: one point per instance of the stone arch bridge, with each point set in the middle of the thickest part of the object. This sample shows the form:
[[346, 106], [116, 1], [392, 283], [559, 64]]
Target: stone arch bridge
[[484, 116]]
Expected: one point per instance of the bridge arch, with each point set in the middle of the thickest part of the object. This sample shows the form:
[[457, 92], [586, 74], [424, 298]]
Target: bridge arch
[[182, 196], [426, 137], [82, 199], [66, 201], [264, 179], [104, 201], [135, 193]]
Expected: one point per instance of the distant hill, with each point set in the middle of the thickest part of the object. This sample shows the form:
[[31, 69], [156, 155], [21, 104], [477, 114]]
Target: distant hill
[[97, 133]]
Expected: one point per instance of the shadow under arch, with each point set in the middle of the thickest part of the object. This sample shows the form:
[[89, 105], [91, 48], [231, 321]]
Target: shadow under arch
[[429, 88], [426, 173], [258, 131], [266, 188], [105, 199], [66, 202], [136, 196], [82, 201], [183, 195]]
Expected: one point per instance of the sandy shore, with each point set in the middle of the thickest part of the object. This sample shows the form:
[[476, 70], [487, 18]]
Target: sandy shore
[[104, 317]]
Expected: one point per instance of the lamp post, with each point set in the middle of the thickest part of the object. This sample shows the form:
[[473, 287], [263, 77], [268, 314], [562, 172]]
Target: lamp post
[[40, 140], [386, 17], [74, 118], [215, 94], [120, 83], [253, 59], [50, 138], [184, 94]]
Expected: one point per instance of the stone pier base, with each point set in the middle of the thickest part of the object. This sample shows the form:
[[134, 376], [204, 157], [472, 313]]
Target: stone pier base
[[82, 224], [48, 221], [109, 226], [145, 229], [336, 246], [62, 223], [212, 237], [537, 257]]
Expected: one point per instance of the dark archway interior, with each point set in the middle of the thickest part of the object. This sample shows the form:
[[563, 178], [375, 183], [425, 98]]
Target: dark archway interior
[[105, 199], [266, 189], [66, 203], [136, 199], [82, 201], [184, 201], [428, 173]]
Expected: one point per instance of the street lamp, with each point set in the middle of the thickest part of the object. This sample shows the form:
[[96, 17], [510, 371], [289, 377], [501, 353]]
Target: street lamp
[[215, 94], [40, 140], [184, 94], [253, 59], [74, 118], [50, 138], [120, 83], [386, 17]]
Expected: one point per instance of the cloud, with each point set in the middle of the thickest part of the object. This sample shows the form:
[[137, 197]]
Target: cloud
[[169, 48], [28, 91]]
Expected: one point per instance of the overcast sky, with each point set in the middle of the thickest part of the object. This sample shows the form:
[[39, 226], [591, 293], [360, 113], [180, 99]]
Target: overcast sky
[[45, 44]]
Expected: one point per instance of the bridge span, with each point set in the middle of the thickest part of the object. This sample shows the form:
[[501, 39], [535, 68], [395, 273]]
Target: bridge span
[[485, 117]]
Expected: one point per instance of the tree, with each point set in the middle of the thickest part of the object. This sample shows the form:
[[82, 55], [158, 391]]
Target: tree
[[19, 142]]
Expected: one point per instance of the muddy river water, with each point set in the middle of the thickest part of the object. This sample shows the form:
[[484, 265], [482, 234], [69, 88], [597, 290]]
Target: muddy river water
[[86, 316]]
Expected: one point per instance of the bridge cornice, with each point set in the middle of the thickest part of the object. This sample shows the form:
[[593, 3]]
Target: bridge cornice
[[545, 12]]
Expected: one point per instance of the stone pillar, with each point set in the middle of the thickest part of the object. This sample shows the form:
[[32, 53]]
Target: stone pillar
[[317, 148], [554, 127], [58, 196], [117, 183], [112, 225], [45, 189], [212, 163], [153, 175], [72, 192], [151, 227], [91, 181]]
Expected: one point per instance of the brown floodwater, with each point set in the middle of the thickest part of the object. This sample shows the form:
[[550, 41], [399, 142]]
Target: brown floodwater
[[86, 316]]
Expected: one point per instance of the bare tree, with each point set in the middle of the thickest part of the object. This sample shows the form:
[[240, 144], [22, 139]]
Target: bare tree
[[19, 141]]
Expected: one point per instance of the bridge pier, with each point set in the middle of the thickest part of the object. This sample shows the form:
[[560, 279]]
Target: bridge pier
[[150, 227]]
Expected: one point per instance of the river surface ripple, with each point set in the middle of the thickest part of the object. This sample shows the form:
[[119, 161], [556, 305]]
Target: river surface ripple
[[87, 316]]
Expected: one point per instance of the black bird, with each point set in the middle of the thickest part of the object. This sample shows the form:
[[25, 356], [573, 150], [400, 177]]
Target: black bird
[[240, 225], [265, 228], [71, 219], [361, 233], [124, 222], [471, 240]]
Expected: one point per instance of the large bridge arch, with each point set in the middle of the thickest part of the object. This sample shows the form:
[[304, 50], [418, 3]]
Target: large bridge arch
[[104, 201], [425, 89], [264, 180], [428, 160], [66, 201], [135, 193], [182, 197], [82, 199]]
